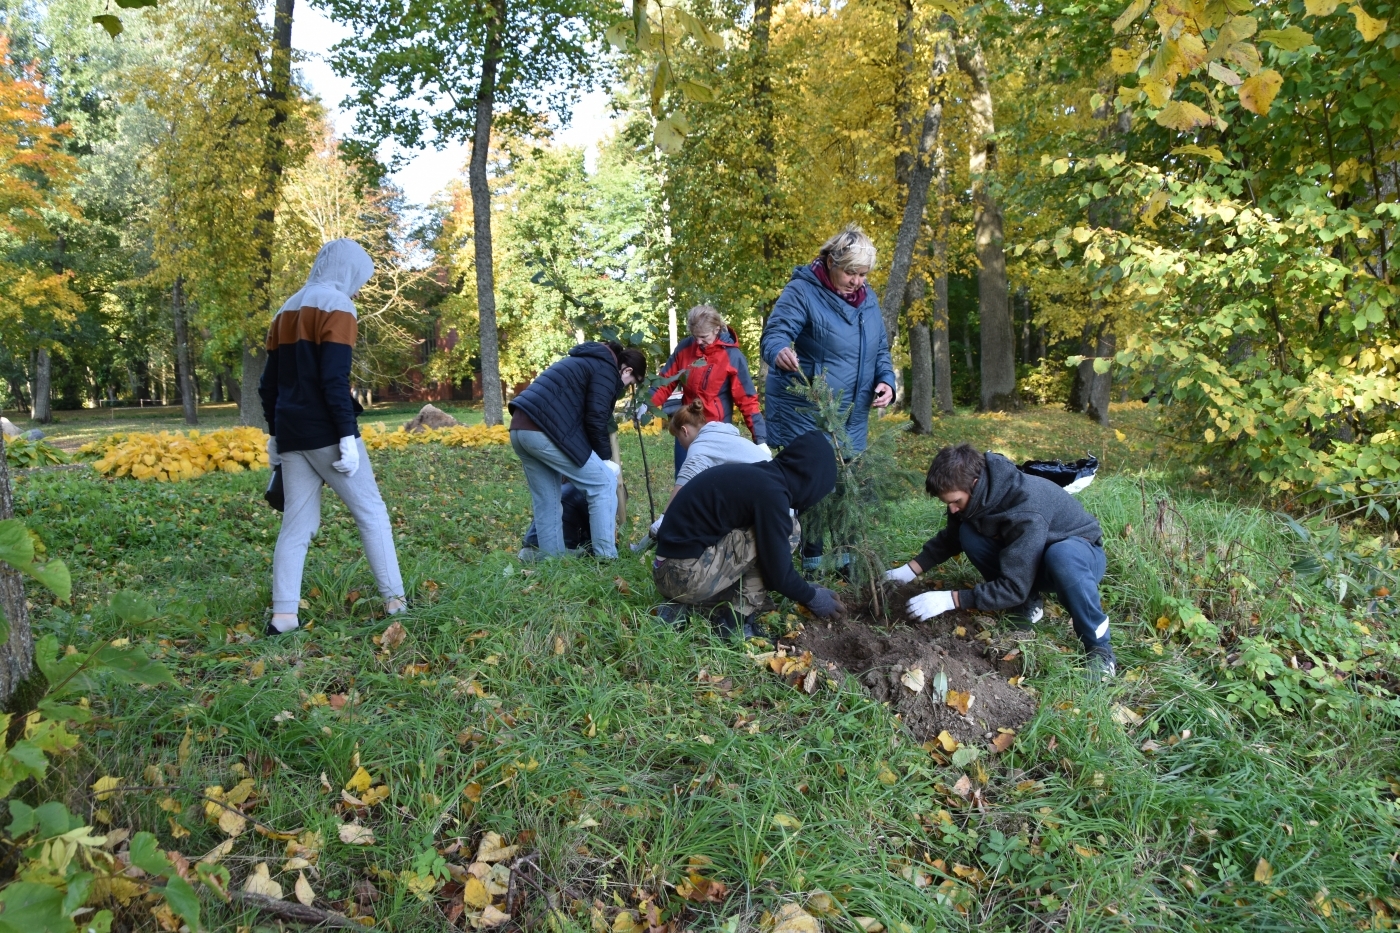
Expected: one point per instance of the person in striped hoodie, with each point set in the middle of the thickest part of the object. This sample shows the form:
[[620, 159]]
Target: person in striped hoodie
[[310, 414]]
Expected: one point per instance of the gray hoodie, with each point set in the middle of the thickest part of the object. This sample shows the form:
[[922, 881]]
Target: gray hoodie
[[1024, 515], [718, 442]]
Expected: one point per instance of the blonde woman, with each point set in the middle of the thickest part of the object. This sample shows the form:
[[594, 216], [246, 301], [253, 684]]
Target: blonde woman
[[827, 321], [709, 366]]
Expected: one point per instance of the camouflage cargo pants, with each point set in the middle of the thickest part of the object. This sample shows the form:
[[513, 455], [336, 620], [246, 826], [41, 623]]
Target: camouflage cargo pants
[[726, 573]]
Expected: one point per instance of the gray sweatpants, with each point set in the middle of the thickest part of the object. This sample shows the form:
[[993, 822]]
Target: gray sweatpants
[[303, 472]]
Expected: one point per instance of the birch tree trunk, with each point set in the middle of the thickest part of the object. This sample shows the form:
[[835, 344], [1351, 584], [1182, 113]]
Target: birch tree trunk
[[184, 371], [17, 654], [492, 402], [994, 305]]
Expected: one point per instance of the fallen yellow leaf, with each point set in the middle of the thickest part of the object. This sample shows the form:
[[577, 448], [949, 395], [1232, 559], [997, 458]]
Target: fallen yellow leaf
[[491, 917], [1263, 871], [259, 882], [302, 890], [913, 679], [783, 821], [791, 918], [474, 893], [949, 743], [494, 849], [353, 834], [359, 781], [959, 701], [105, 785]]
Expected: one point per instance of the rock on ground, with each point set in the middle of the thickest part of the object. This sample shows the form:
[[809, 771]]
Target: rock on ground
[[7, 427], [430, 416], [33, 434]]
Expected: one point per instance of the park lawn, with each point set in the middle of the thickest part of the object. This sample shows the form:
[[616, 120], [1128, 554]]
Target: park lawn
[[544, 705]]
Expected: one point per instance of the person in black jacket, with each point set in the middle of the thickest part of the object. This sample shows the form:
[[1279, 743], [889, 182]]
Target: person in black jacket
[[1025, 535], [730, 532], [560, 426]]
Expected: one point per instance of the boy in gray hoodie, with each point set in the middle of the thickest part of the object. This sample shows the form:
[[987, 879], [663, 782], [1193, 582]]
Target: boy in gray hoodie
[[1025, 535]]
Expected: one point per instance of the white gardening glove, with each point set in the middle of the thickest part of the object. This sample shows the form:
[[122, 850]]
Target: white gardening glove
[[615, 467], [273, 457], [926, 606], [900, 575], [656, 525], [349, 460], [766, 452], [642, 411]]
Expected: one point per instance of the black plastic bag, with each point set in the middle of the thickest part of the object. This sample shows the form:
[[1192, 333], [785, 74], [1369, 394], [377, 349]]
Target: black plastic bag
[[1072, 477], [274, 495]]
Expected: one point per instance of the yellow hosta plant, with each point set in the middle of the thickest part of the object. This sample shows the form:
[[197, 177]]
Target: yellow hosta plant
[[175, 455]]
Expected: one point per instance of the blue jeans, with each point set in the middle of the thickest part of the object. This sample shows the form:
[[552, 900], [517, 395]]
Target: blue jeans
[[1071, 569], [544, 463]]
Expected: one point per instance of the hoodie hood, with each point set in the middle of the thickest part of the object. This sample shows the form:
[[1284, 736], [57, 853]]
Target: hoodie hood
[[999, 479], [598, 351], [342, 267], [808, 469]]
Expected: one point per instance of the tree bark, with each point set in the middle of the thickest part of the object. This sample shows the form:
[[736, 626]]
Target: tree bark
[[249, 402], [942, 356], [920, 176], [993, 301], [492, 401], [767, 160], [1102, 382], [17, 654], [1083, 373], [41, 403], [274, 157], [920, 378], [189, 396]]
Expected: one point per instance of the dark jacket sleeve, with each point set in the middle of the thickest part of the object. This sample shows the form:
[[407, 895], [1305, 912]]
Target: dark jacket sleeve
[[267, 390], [1023, 544], [338, 336], [772, 525], [943, 546], [598, 407], [744, 395]]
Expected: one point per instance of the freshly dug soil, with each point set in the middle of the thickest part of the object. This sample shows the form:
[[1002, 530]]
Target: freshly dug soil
[[879, 655]]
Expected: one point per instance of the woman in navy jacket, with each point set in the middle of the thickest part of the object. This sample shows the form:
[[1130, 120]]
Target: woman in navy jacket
[[560, 426]]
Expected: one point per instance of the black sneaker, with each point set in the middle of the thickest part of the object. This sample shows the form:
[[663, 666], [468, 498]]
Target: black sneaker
[[675, 614], [1102, 665], [726, 621], [1026, 615]]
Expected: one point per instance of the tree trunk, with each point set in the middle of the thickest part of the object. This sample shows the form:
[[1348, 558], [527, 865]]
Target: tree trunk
[[17, 654], [41, 402], [216, 391], [274, 157], [189, 397], [920, 378], [920, 176], [993, 300], [942, 357], [249, 402], [1083, 373], [492, 401], [767, 160], [1103, 382]]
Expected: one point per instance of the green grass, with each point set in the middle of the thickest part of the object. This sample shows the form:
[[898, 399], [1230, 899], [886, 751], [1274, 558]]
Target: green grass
[[551, 690]]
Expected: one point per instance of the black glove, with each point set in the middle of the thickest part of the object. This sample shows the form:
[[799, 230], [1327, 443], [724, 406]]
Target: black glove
[[826, 604]]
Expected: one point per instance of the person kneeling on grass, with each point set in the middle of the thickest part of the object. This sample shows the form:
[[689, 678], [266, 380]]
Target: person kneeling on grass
[[730, 532], [310, 414], [1025, 535]]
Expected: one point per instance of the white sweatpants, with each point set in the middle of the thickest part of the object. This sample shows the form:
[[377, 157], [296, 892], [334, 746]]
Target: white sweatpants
[[303, 472]]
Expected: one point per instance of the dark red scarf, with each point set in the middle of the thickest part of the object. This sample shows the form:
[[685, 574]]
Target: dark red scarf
[[855, 300]]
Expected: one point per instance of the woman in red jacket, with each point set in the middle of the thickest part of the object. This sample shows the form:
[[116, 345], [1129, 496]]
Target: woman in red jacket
[[709, 365]]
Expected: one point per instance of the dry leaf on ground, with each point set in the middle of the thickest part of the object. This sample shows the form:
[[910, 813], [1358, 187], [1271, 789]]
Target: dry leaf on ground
[[960, 701], [494, 849], [913, 679], [353, 834], [302, 890], [793, 919], [391, 637], [259, 882]]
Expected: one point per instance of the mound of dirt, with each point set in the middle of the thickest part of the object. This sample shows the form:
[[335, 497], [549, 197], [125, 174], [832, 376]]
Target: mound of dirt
[[889, 659]]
